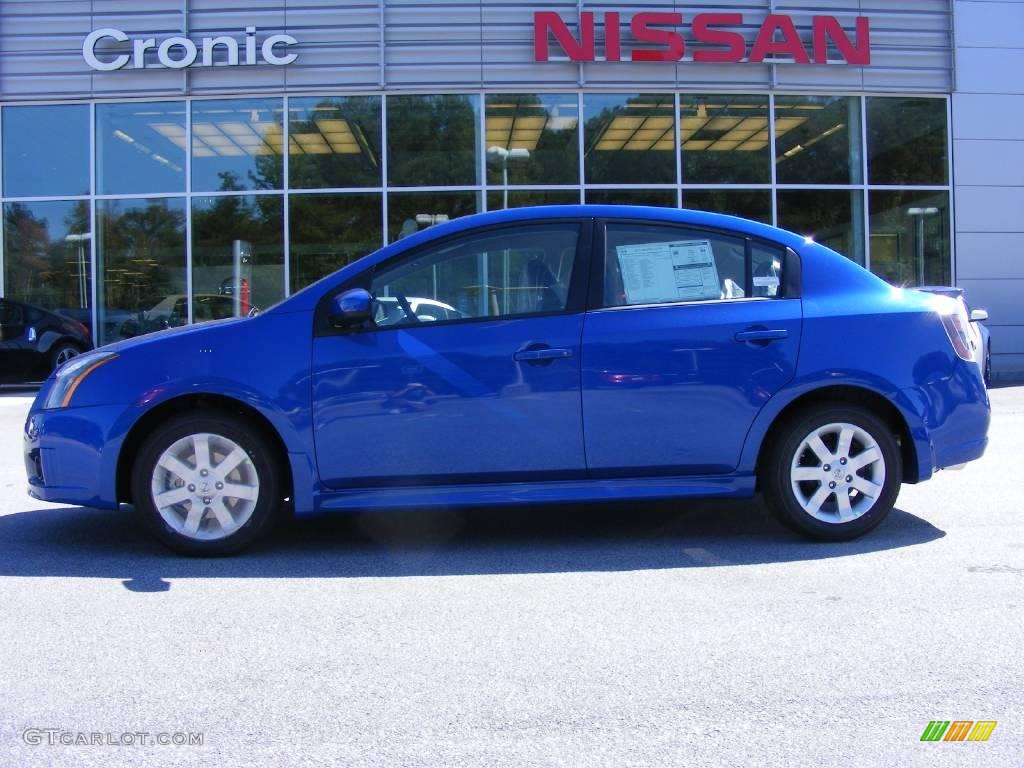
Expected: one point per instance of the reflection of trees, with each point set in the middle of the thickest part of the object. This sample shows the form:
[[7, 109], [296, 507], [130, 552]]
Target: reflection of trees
[[552, 161], [819, 157], [40, 267], [628, 166], [330, 231], [218, 222], [142, 252], [431, 140], [907, 140], [337, 169]]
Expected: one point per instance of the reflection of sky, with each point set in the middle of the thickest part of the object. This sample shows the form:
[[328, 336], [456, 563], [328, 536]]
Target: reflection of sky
[[46, 150]]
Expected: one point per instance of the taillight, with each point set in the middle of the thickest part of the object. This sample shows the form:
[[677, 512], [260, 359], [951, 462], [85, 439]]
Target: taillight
[[957, 325]]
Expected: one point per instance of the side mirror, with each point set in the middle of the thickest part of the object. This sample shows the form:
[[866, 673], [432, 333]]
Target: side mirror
[[979, 315], [351, 308]]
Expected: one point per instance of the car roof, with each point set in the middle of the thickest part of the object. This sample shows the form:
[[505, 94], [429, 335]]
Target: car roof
[[305, 298], [631, 212]]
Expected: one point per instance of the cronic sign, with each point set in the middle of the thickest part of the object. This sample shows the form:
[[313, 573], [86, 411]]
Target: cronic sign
[[180, 52]]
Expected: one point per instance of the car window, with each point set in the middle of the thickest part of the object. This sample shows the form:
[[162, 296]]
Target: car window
[[500, 273], [766, 268], [651, 264]]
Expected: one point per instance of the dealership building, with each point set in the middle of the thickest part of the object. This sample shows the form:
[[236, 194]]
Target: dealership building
[[234, 152]]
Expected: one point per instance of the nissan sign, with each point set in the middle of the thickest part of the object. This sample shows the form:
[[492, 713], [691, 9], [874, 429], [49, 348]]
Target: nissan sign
[[715, 38]]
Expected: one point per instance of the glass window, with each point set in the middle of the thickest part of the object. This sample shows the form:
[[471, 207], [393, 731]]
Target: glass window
[[330, 231], [520, 271], [140, 266], [46, 151], [753, 204], [237, 254], [910, 237], [629, 139], [140, 147], [334, 141], [237, 144], [766, 269], [817, 140], [47, 256], [834, 218], [409, 212], [516, 198], [532, 139], [907, 141], [661, 198], [724, 138], [650, 264], [432, 140]]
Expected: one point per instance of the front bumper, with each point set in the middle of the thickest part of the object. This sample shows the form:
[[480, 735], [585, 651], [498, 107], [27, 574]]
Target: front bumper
[[71, 455]]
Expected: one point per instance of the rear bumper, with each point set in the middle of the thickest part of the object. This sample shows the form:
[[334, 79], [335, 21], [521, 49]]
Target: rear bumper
[[71, 455], [948, 419]]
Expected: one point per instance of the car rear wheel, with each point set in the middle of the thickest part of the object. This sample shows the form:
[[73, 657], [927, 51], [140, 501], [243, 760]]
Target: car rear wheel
[[833, 472], [206, 484]]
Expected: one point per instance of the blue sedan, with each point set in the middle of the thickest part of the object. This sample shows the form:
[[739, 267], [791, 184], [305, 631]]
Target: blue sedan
[[574, 353]]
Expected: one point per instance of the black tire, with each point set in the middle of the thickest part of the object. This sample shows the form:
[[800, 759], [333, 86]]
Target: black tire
[[62, 353], [777, 467], [261, 461]]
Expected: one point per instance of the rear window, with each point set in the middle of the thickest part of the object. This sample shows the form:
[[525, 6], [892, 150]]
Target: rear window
[[651, 264]]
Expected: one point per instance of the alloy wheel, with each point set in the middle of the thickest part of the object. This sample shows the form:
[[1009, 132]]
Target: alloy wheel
[[838, 472], [205, 486]]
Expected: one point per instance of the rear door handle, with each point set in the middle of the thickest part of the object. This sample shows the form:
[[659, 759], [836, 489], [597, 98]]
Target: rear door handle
[[761, 334], [547, 353]]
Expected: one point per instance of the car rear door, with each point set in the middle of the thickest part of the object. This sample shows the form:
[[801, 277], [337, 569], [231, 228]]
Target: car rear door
[[690, 332], [490, 393]]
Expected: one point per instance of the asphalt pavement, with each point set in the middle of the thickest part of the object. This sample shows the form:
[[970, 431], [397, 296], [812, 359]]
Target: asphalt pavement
[[609, 635]]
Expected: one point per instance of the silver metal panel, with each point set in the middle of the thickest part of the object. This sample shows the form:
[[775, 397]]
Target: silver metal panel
[[439, 45]]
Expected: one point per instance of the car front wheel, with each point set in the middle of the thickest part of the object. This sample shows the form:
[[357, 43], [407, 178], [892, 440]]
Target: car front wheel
[[62, 354], [206, 484], [833, 473]]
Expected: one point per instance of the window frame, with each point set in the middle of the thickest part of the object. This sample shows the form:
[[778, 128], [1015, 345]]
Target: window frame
[[789, 280], [576, 297]]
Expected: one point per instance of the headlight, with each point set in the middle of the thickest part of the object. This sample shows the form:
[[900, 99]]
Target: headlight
[[73, 373]]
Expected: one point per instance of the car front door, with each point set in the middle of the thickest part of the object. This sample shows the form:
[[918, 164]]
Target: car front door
[[480, 382], [690, 333]]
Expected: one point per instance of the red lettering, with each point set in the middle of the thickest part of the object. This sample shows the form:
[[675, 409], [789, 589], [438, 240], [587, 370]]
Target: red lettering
[[826, 27], [671, 40], [612, 41], [549, 21], [766, 45], [704, 33]]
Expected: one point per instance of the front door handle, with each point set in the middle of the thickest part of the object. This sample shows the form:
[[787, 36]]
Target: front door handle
[[762, 335], [542, 354]]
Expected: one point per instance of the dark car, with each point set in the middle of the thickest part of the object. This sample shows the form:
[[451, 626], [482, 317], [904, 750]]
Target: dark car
[[34, 341]]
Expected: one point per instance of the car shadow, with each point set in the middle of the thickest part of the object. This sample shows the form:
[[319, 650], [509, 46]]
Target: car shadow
[[72, 541]]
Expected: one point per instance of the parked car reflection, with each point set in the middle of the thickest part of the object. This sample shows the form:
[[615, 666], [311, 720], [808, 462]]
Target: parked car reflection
[[34, 341], [172, 311]]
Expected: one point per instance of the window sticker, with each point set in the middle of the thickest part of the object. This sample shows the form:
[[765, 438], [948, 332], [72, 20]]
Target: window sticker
[[766, 281], [682, 270]]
